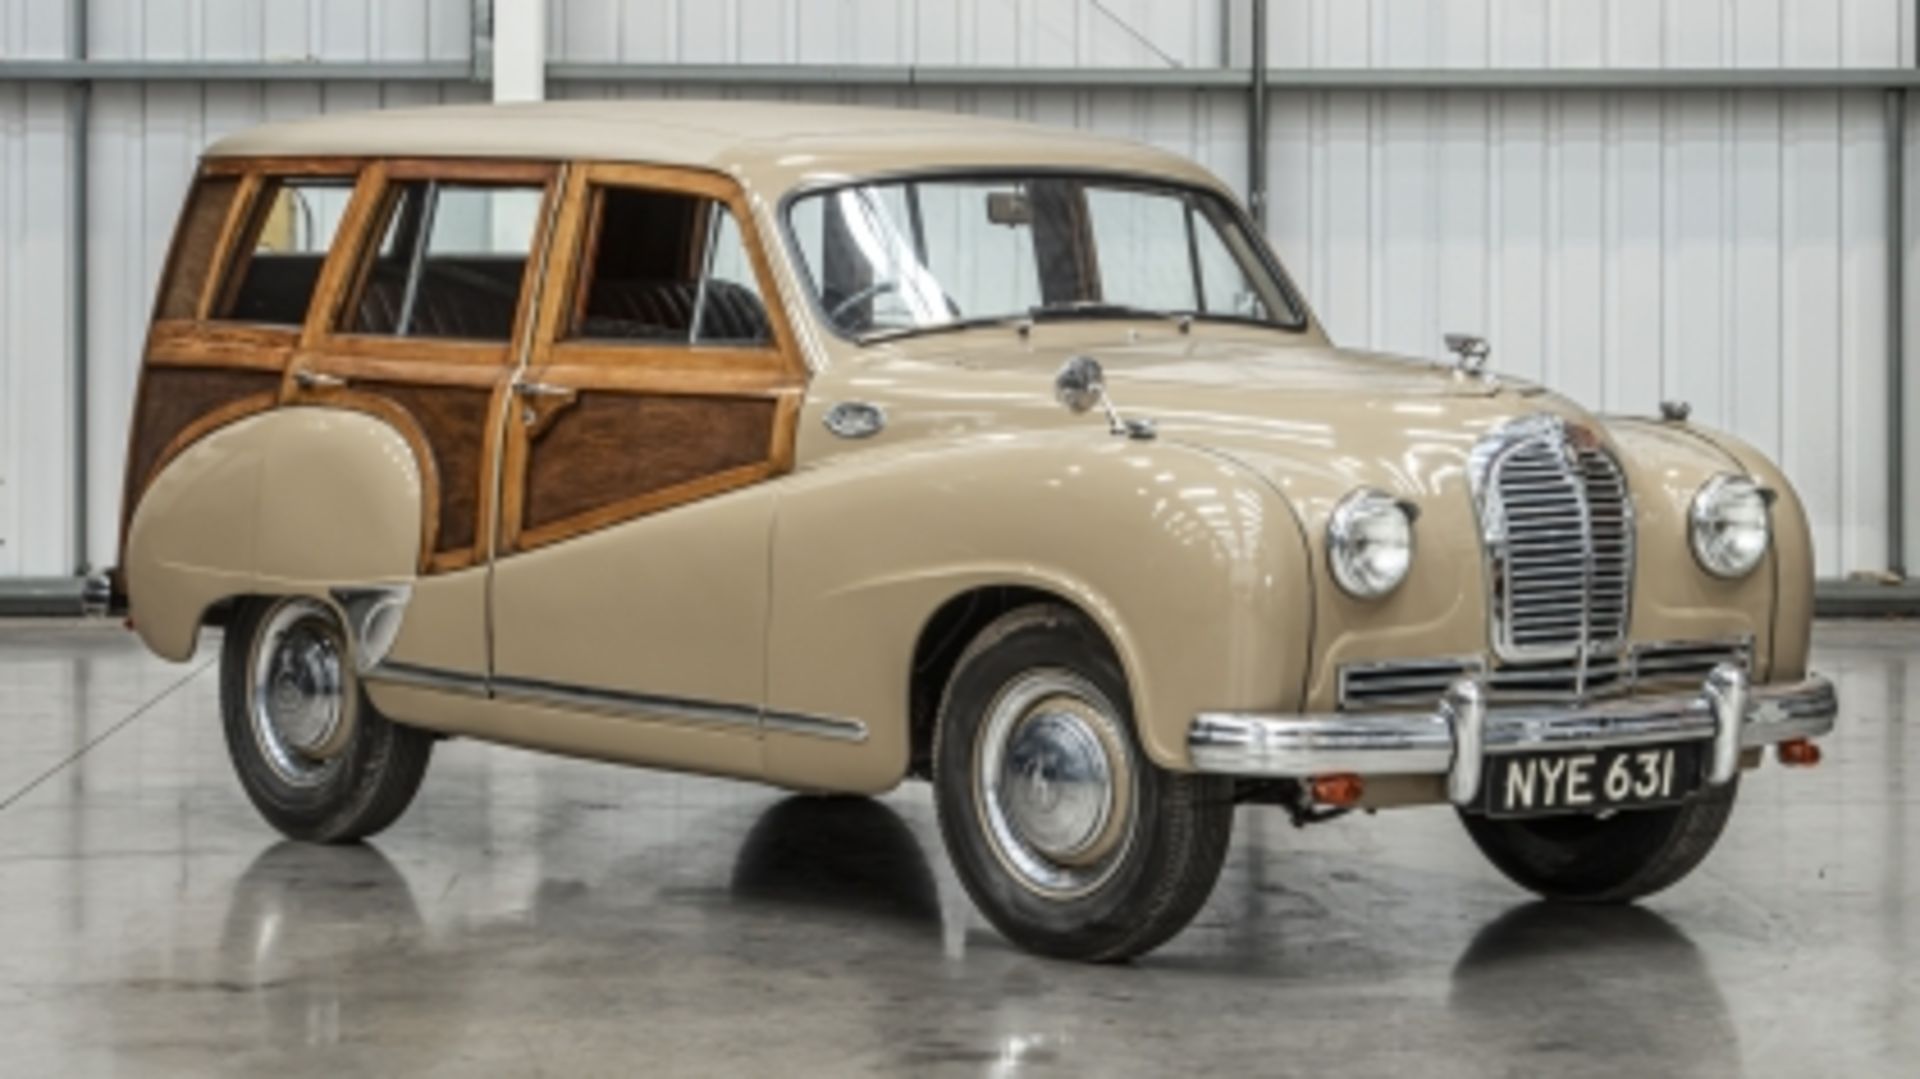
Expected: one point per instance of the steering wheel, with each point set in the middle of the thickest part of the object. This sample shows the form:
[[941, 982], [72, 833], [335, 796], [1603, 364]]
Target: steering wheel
[[873, 291]]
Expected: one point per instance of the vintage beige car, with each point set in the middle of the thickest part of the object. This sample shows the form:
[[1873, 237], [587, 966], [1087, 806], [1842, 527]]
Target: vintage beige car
[[830, 447]]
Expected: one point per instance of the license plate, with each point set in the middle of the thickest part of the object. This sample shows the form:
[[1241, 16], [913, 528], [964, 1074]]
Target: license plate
[[1585, 781]]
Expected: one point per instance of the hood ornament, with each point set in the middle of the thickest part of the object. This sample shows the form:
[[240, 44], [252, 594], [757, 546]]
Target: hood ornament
[[1081, 384], [1470, 353], [1675, 411]]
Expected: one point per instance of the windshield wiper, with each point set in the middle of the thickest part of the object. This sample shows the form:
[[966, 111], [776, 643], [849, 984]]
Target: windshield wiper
[[898, 332], [1095, 309]]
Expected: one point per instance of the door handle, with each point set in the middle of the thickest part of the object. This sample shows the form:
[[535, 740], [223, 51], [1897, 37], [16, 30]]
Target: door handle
[[541, 389], [317, 380]]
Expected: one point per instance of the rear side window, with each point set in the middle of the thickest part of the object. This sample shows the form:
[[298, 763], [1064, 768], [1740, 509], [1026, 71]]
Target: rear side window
[[193, 246], [451, 262], [290, 228], [668, 268]]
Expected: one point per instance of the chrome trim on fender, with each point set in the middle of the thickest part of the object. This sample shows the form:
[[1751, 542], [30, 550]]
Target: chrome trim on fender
[[1452, 739], [839, 730], [618, 702], [372, 615]]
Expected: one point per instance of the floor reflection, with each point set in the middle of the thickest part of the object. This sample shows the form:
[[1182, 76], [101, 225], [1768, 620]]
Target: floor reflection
[[307, 929], [847, 855], [1594, 981]]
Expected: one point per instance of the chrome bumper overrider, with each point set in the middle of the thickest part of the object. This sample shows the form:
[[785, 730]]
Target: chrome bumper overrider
[[1454, 738]]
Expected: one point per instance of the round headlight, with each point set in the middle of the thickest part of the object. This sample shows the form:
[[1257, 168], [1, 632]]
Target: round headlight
[[1730, 526], [1370, 543]]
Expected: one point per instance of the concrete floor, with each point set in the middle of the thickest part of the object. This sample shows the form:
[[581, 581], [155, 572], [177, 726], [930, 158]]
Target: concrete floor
[[534, 915]]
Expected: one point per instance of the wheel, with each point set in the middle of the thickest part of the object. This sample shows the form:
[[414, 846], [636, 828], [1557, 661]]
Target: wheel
[[316, 758], [1615, 859], [1070, 841]]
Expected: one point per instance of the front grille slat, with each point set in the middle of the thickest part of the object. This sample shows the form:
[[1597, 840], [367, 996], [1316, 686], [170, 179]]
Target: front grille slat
[[1664, 666], [1560, 521]]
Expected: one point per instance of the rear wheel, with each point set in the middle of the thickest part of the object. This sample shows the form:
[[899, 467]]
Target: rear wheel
[[315, 757], [1614, 859], [1068, 838]]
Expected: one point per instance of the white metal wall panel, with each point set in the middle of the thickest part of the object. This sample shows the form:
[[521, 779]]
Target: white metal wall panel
[[36, 390], [1057, 33], [1910, 311], [278, 30], [36, 402], [1301, 33], [1582, 33]]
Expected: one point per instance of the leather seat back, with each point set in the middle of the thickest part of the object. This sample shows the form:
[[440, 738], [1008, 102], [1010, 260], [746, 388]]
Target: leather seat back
[[663, 310]]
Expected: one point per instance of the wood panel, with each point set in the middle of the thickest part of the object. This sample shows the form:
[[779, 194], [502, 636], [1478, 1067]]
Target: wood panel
[[454, 423], [173, 399], [610, 448]]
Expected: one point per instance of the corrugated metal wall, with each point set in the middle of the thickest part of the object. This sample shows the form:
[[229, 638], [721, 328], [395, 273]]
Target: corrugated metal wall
[[1727, 248]]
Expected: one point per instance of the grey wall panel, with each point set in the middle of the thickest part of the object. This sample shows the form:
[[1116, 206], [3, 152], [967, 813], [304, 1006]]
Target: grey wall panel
[[990, 32], [1586, 33], [288, 30], [33, 29], [36, 432]]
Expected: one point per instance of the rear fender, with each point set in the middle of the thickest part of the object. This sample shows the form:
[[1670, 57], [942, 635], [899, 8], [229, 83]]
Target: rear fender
[[298, 501]]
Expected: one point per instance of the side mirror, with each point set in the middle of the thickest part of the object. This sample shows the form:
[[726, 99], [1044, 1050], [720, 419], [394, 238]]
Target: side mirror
[[1081, 384]]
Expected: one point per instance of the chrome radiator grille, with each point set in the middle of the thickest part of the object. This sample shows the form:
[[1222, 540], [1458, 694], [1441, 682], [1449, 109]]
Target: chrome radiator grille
[[1559, 530]]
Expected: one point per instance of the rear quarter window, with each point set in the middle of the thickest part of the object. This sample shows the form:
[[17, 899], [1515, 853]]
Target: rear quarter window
[[289, 230]]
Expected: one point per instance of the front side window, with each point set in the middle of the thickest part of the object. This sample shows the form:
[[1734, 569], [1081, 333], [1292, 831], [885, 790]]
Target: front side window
[[290, 228], [665, 267], [451, 261], [926, 254]]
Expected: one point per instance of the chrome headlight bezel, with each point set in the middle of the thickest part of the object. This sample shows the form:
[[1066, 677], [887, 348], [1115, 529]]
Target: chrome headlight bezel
[[1730, 526], [1370, 545]]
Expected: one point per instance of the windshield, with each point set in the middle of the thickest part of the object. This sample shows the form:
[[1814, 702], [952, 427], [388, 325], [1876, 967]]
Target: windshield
[[921, 254]]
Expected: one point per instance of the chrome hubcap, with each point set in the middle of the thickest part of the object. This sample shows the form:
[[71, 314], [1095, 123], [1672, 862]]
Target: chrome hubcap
[[298, 687], [1055, 783]]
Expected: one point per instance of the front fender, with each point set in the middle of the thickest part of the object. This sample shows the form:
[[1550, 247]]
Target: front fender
[[1673, 597], [293, 501], [1191, 564]]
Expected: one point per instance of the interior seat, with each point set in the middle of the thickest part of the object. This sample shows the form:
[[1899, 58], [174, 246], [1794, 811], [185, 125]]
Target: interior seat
[[663, 310]]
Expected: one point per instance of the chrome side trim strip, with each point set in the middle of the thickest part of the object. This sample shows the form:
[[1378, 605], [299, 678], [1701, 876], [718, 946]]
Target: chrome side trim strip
[[1452, 738], [839, 730], [619, 702], [415, 676]]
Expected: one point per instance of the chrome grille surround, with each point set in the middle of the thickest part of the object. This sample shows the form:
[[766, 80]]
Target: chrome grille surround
[[1556, 524]]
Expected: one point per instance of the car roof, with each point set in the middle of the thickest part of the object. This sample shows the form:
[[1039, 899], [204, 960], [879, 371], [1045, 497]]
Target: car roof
[[776, 143]]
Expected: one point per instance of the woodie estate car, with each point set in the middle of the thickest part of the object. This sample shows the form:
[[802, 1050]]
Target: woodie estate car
[[830, 446]]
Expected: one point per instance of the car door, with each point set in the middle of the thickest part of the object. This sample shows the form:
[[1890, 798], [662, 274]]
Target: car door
[[635, 515], [423, 322]]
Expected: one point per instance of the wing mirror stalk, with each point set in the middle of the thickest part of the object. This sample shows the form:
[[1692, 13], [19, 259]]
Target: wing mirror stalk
[[1081, 384]]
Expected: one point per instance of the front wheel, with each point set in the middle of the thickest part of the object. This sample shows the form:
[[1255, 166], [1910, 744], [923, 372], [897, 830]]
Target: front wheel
[[315, 757], [1070, 841], [1613, 859]]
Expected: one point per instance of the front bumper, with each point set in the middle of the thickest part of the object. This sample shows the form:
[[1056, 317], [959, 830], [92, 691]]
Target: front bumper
[[1454, 739]]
